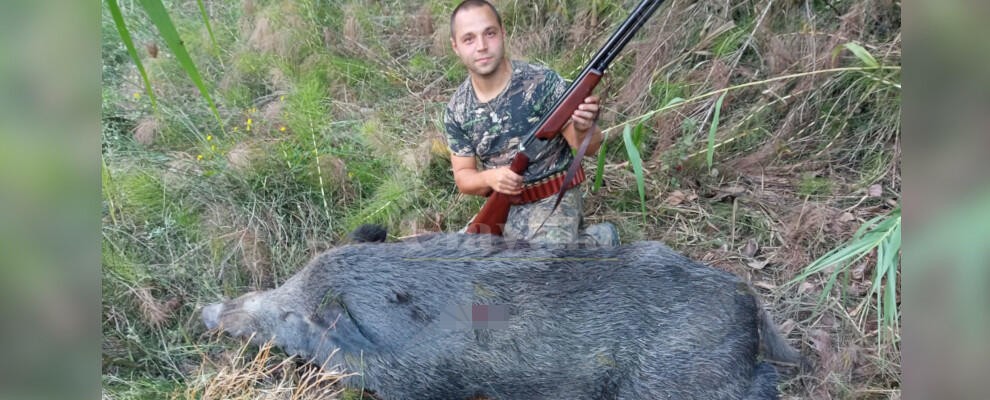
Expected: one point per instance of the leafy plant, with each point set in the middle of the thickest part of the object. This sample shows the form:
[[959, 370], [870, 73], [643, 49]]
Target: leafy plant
[[883, 234], [713, 129], [636, 162], [600, 170]]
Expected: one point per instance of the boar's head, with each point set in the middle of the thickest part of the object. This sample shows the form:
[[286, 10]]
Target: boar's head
[[301, 316], [267, 316]]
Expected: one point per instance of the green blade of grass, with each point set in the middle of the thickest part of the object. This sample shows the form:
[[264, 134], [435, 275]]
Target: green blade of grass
[[638, 136], [108, 190], [862, 54], [159, 16], [864, 240], [880, 273], [849, 253], [891, 294], [206, 21], [125, 35], [890, 247], [637, 164], [711, 131], [600, 171], [674, 101]]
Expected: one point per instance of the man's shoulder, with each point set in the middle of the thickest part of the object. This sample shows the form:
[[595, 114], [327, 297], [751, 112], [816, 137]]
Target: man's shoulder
[[528, 69], [462, 98], [462, 92]]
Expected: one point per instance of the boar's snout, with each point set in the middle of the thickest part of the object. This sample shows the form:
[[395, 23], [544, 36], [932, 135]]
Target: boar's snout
[[211, 315]]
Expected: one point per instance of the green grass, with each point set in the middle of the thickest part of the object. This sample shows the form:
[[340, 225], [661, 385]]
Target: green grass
[[731, 41], [143, 389], [814, 186], [666, 91]]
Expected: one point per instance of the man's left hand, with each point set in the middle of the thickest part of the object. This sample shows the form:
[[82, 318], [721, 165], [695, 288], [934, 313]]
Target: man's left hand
[[585, 115]]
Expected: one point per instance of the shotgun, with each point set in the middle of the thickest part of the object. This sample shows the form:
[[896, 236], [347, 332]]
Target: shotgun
[[494, 213]]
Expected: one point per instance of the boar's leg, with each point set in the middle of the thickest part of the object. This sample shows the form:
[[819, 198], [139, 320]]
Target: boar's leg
[[764, 383]]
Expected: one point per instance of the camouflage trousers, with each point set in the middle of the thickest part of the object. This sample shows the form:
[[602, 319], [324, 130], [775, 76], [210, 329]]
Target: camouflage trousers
[[564, 226], [561, 228]]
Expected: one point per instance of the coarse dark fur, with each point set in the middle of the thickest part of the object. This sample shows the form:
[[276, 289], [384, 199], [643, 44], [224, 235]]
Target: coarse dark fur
[[637, 321]]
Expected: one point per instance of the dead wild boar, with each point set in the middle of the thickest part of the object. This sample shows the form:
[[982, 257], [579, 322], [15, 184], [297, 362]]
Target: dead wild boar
[[453, 316]]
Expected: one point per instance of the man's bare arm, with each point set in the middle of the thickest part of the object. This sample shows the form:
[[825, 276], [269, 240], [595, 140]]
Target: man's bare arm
[[574, 138], [470, 181]]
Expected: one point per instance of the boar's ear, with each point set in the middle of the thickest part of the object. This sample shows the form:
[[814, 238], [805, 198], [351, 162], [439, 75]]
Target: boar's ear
[[293, 334], [368, 233]]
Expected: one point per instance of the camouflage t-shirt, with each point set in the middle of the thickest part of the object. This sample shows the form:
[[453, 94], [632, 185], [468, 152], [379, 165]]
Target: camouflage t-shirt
[[492, 131]]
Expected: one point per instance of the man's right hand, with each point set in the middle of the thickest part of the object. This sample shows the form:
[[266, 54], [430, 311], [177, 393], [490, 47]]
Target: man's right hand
[[504, 181]]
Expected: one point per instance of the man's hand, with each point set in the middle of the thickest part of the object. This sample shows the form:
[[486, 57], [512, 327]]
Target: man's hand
[[582, 123], [503, 180], [481, 183], [585, 116]]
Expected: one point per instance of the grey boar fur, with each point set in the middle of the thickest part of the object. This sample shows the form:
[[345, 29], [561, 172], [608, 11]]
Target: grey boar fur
[[637, 321]]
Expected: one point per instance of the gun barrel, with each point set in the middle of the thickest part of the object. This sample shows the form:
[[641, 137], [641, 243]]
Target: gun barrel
[[642, 13], [597, 66]]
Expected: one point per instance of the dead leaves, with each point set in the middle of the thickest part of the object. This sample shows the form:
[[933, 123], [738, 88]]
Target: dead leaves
[[750, 249], [875, 191], [757, 264], [678, 197], [821, 341]]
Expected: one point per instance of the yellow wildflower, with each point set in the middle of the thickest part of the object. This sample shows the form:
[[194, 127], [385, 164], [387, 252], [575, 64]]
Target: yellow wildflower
[[236, 128], [199, 157], [213, 148], [281, 98], [281, 129], [137, 95], [209, 138]]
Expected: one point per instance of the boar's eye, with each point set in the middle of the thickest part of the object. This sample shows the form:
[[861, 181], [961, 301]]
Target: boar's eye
[[293, 321]]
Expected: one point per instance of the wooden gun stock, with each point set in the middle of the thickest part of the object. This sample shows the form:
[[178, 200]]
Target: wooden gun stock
[[491, 219]]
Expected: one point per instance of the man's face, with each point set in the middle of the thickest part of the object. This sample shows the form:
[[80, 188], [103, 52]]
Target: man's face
[[478, 40]]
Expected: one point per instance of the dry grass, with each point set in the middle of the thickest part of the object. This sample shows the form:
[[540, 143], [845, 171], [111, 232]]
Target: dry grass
[[276, 33], [264, 376], [256, 256], [147, 131], [155, 312], [246, 155]]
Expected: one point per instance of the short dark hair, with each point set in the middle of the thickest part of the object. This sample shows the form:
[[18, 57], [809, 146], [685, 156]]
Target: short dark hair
[[468, 4]]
